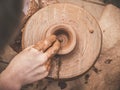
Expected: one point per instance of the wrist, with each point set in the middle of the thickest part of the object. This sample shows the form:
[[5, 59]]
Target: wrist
[[9, 82]]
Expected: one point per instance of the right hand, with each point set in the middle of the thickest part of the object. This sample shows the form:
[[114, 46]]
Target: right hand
[[31, 64]]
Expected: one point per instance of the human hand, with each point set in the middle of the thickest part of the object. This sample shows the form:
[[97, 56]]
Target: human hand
[[31, 64]]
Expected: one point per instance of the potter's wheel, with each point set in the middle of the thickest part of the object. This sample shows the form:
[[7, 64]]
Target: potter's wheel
[[78, 31]]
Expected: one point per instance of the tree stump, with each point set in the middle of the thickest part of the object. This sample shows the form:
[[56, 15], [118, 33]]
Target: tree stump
[[105, 74]]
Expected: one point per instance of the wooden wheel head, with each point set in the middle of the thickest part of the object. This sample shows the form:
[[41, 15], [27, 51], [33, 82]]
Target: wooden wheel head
[[78, 31]]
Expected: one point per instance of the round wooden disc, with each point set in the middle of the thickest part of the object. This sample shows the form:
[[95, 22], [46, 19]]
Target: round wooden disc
[[88, 37]]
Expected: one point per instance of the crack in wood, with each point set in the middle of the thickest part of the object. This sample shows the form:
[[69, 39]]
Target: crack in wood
[[59, 65]]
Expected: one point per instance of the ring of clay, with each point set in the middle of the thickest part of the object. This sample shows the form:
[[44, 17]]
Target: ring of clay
[[77, 30], [66, 35]]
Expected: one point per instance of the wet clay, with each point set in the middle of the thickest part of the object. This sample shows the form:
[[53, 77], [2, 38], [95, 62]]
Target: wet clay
[[66, 35]]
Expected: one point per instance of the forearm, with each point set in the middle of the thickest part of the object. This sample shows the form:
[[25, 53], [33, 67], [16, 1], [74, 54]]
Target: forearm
[[7, 82]]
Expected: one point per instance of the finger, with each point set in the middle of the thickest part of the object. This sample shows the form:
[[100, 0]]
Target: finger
[[48, 64], [48, 42], [44, 45], [53, 50], [38, 77], [41, 69], [41, 76], [38, 45]]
